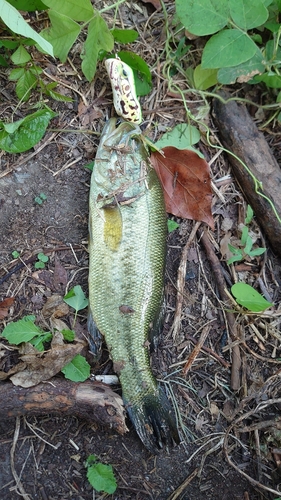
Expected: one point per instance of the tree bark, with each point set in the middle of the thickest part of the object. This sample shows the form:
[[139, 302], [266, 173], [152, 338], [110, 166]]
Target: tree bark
[[93, 401], [240, 135]]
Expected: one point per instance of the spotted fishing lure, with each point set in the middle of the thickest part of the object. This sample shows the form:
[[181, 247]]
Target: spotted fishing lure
[[125, 99]]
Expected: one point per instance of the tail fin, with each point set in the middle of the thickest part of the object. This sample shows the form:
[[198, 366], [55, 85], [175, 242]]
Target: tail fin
[[154, 420]]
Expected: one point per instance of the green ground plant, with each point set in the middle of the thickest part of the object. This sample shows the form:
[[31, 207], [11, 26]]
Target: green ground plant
[[100, 476], [245, 249]]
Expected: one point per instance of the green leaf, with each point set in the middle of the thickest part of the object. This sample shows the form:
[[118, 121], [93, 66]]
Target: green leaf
[[25, 84], [101, 477], [76, 298], [236, 251], [202, 17], [62, 34], [29, 132], [140, 69], [68, 335], [77, 370], [244, 71], [99, 38], [13, 19], [28, 5], [44, 258], [204, 78], [248, 14], [235, 258], [249, 215], [271, 80], [16, 73], [15, 254], [124, 36], [257, 251], [227, 48], [81, 10], [9, 44], [3, 61], [244, 236], [20, 331], [172, 225], [39, 265], [248, 245], [182, 136], [248, 297], [38, 342], [20, 56]]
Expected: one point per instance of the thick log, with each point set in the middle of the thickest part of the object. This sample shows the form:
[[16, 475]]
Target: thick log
[[93, 401], [240, 135]]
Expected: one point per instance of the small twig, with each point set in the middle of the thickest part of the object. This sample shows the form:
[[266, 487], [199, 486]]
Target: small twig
[[181, 282], [196, 349], [216, 266], [12, 457], [183, 486]]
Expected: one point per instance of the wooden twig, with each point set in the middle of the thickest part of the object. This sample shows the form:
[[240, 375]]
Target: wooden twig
[[181, 282], [196, 349], [217, 271]]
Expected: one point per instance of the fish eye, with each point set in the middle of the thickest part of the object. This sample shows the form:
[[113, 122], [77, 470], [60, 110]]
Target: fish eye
[[124, 73]]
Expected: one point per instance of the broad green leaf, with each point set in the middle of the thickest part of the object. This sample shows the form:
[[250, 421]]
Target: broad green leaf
[[141, 71], [81, 10], [257, 251], [25, 84], [204, 78], [30, 131], [76, 298], [62, 34], [14, 20], [271, 80], [28, 5], [16, 73], [3, 61], [99, 38], [77, 370], [182, 136], [249, 215], [203, 17], [227, 48], [101, 477], [9, 44], [172, 225], [20, 331], [234, 258], [271, 52], [41, 256], [20, 56], [248, 297], [124, 36], [38, 342], [243, 72], [68, 335], [248, 14], [244, 235]]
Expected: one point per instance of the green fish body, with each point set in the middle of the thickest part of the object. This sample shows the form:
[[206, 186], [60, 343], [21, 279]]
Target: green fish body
[[127, 246]]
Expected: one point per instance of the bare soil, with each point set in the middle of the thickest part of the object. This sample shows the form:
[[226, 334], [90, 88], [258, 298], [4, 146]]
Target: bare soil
[[43, 457]]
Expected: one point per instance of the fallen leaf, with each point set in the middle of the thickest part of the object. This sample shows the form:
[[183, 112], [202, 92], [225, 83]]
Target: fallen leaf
[[60, 276], [186, 181], [5, 305], [155, 3], [55, 307], [41, 366]]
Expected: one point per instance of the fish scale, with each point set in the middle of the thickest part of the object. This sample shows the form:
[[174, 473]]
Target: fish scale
[[126, 274]]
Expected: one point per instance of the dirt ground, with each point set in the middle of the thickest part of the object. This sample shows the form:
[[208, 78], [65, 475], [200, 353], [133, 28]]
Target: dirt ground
[[43, 457]]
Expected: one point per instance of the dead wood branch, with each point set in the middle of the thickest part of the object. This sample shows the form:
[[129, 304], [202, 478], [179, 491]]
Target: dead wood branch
[[92, 401], [217, 271], [240, 135]]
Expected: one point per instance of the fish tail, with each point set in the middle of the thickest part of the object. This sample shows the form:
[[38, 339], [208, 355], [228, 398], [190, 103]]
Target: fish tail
[[154, 421]]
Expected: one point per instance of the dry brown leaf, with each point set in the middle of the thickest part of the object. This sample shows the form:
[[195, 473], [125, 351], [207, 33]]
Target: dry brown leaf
[[155, 3], [41, 366], [60, 276], [186, 181], [5, 305], [55, 307]]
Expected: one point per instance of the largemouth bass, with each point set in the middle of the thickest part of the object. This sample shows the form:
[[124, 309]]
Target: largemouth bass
[[127, 226]]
